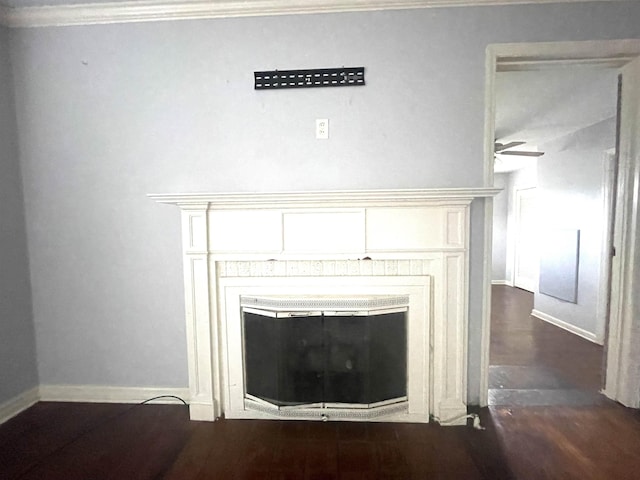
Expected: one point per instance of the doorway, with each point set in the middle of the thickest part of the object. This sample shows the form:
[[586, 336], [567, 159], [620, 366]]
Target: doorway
[[552, 127], [525, 264], [616, 55]]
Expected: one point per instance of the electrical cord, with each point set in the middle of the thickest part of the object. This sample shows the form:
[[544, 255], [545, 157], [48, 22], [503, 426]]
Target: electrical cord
[[163, 396], [474, 416]]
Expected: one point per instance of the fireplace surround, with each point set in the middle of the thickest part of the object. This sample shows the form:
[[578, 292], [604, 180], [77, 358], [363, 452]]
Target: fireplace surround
[[410, 243]]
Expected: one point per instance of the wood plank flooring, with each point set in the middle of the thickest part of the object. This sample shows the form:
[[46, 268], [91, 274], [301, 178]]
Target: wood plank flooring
[[598, 442], [536, 362], [54, 441]]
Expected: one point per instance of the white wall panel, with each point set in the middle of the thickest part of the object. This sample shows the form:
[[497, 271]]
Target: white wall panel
[[330, 231], [404, 228], [245, 231]]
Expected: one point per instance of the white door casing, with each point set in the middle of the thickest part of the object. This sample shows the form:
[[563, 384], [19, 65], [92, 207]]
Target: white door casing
[[622, 382], [609, 189]]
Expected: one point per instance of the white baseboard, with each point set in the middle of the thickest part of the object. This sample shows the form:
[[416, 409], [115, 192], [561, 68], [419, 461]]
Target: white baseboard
[[103, 394], [567, 326], [17, 404], [502, 282], [88, 393]]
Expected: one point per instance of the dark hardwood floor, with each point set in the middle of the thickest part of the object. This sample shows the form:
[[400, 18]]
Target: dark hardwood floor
[[593, 441], [530, 354], [65, 441]]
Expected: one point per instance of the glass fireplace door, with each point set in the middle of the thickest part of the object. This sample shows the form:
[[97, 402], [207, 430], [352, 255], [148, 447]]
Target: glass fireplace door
[[353, 359]]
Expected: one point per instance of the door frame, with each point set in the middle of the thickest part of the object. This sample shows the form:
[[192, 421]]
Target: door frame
[[517, 198], [620, 385], [609, 189]]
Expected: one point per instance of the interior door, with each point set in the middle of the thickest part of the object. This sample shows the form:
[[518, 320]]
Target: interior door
[[526, 248], [623, 342]]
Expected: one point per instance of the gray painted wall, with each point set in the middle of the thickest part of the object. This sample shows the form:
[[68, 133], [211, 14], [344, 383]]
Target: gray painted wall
[[110, 113], [570, 195], [500, 217], [18, 370]]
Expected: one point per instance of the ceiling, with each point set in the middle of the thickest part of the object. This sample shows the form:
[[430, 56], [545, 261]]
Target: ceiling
[[541, 106]]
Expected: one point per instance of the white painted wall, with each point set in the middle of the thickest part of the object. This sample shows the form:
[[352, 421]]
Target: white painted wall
[[500, 222], [18, 371], [109, 113], [518, 180], [570, 177]]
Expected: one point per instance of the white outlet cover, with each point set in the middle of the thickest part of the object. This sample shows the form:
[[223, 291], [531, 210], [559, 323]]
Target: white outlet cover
[[322, 128]]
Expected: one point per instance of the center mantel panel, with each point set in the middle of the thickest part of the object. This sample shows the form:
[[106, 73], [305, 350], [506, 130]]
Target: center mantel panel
[[336, 231], [353, 240]]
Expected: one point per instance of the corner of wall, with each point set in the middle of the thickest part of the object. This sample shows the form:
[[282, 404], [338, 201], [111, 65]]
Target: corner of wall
[[18, 362]]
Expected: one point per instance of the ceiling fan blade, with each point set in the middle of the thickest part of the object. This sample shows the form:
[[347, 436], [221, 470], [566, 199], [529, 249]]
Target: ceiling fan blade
[[522, 154], [504, 146]]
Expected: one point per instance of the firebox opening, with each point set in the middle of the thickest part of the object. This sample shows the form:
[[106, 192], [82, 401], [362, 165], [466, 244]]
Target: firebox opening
[[325, 353]]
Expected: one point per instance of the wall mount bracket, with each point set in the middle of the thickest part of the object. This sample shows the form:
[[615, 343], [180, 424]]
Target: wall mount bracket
[[309, 78]]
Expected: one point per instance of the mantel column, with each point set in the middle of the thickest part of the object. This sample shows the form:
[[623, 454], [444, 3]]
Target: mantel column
[[202, 405]]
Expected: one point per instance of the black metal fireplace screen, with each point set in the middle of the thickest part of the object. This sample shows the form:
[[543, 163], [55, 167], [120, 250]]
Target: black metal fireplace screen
[[332, 359]]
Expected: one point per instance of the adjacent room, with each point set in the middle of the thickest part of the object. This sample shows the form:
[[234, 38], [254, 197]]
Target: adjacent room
[[555, 161]]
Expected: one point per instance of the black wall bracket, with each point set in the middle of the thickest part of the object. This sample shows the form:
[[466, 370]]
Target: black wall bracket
[[310, 78]]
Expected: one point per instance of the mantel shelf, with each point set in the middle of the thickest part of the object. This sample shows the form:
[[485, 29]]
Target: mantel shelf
[[339, 198]]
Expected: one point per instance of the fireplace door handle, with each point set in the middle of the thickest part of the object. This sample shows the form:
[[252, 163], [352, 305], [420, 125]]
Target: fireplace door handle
[[299, 314]]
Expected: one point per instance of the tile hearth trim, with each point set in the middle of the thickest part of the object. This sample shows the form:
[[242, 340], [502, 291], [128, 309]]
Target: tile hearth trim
[[322, 268]]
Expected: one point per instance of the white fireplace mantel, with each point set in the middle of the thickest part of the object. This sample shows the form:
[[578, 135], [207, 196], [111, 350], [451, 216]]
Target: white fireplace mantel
[[347, 242]]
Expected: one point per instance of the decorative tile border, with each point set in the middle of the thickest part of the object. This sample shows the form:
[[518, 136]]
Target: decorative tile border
[[323, 268]]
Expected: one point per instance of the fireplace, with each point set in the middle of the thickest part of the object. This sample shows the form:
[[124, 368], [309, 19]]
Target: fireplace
[[322, 356], [297, 281], [318, 286]]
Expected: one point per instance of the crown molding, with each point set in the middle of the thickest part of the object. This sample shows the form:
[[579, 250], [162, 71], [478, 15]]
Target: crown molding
[[4, 16], [164, 10]]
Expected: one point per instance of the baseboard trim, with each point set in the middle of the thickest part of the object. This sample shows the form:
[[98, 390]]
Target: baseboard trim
[[203, 412], [567, 326], [88, 393], [108, 394], [502, 282], [18, 404], [452, 414]]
